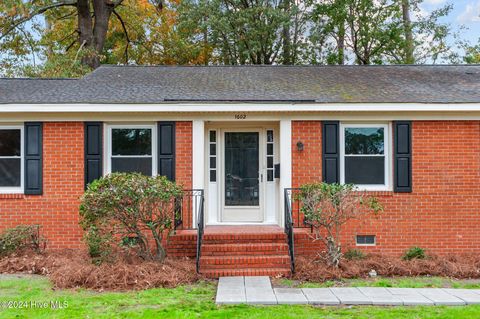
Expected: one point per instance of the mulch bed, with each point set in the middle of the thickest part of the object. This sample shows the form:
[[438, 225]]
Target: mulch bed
[[454, 266], [72, 269]]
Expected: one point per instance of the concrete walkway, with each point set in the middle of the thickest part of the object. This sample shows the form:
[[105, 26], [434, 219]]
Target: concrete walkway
[[259, 291]]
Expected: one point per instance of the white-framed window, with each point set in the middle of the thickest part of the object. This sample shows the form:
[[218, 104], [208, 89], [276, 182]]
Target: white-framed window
[[365, 156], [11, 159], [131, 148]]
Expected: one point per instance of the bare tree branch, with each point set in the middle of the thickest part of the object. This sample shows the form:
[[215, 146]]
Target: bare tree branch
[[126, 34]]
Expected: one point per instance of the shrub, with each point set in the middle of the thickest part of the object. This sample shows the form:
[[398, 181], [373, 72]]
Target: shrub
[[132, 205], [98, 244], [414, 253], [327, 207], [21, 237], [354, 254]]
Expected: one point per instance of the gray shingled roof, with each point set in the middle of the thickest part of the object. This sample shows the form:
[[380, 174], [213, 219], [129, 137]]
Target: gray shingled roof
[[320, 84]]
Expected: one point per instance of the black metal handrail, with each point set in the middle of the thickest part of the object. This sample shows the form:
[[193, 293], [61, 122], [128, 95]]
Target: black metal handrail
[[293, 219], [289, 227], [200, 217], [187, 207]]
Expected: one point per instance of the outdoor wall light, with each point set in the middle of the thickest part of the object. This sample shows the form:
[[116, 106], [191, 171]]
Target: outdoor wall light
[[299, 146]]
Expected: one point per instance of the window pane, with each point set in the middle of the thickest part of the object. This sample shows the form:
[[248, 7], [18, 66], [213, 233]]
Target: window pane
[[213, 162], [131, 142], [365, 170], [213, 175], [270, 162], [213, 149], [10, 143], [241, 169], [269, 149], [269, 136], [270, 175], [365, 239], [10, 172], [130, 165], [213, 136], [364, 140]]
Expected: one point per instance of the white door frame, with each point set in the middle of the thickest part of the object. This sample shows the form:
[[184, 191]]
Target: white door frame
[[272, 214]]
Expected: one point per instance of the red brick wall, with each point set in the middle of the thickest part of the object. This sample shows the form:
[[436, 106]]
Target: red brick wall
[[442, 213], [63, 184], [57, 209], [306, 165], [183, 165], [183, 169]]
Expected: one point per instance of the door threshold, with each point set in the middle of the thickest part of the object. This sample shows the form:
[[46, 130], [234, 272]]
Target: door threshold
[[242, 224]]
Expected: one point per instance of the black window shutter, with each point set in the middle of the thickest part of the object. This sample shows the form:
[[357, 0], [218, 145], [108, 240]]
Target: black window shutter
[[166, 149], [331, 151], [93, 151], [33, 158], [402, 156]]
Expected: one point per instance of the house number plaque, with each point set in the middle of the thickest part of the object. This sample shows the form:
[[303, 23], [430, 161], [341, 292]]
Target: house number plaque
[[240, 116]]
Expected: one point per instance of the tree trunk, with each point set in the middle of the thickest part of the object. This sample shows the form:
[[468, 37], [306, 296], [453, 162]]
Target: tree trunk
[[93, 30], [407, 25], [103, 10], [287, 43], [85, 30], [341, 43]]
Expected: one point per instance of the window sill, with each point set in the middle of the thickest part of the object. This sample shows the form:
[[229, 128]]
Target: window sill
[[384, 193], [12, 195], [376, 192]]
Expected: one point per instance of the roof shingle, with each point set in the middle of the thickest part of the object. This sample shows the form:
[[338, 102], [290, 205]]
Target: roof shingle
[[320, 84]]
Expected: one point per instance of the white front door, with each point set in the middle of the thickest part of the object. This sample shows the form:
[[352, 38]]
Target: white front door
[[241, 175]]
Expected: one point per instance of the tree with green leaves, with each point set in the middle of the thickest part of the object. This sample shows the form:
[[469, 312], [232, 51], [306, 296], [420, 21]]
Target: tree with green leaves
[[380, 32], [248, 32], [70, 37], [472, 53]]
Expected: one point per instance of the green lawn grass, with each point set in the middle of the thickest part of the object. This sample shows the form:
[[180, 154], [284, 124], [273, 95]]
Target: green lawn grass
[[187, 302]]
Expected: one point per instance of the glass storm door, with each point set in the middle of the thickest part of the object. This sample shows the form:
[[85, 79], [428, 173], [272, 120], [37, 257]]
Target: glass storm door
[[242, 189]]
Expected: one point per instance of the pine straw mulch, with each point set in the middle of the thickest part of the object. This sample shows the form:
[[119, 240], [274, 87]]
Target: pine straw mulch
[[73, 269], [453, 266]]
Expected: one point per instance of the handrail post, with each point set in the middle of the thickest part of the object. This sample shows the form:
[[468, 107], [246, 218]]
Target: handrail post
[[200, 227], [287, 193]]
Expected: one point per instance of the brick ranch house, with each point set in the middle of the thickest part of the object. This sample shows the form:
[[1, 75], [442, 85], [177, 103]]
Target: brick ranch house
[[242, 139]]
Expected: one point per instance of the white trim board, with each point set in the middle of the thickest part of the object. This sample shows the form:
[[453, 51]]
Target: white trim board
[[240, 107], [131, 117]]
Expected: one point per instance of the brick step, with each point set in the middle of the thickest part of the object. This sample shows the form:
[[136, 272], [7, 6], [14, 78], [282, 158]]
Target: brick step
[[204, 268], [244, 249], [244, 237], [182, 238], [271, 261], [272, 272]]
